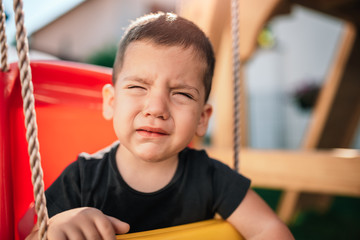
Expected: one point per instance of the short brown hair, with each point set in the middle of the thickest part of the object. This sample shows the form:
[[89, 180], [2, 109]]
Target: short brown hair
[[168, 29]]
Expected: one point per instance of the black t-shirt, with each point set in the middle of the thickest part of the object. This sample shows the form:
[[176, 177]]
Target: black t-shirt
[[200, 188]]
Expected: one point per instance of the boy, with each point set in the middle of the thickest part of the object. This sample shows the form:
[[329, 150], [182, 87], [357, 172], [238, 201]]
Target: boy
[[150, 179]]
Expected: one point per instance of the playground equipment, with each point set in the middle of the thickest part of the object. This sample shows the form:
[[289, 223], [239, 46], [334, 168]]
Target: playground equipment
[[74, 92], [334, 120]]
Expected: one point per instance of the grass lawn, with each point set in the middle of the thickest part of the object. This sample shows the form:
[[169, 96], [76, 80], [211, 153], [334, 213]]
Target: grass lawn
[[341, 221]]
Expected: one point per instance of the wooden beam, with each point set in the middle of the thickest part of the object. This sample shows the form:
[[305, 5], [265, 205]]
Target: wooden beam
[[333, 172], [222, 94], [210, 15], [333, 109], [253, 15], [288, 202], [344, 115], [325, 108]]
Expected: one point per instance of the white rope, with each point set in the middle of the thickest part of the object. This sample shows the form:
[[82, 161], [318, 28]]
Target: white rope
[[236, 78], [3, 41], [30, 119]]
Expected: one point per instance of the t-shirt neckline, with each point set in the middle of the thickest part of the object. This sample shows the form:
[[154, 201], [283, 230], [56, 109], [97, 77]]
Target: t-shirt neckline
[[175, 178]]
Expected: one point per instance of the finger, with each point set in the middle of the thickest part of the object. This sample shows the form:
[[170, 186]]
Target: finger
[[55, 234], [105, 227], [73, 232], [120, 227], [91, 232]]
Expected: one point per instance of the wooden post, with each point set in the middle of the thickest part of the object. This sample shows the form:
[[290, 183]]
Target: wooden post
[[325, 130]]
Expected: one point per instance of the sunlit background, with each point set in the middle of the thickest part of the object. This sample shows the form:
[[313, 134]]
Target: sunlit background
[[294, 55]]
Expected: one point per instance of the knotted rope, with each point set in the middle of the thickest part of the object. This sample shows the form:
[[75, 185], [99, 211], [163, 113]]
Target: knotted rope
[[236, 78], [3, 41], [30, 118]]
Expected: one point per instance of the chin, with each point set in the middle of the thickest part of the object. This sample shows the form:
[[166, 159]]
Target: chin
[[148, 156], [152, 156]]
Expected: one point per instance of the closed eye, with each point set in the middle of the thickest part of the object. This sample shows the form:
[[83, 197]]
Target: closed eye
[[185, 94], [135, 87]]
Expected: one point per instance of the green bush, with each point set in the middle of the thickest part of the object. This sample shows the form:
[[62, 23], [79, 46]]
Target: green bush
[[103, 57]]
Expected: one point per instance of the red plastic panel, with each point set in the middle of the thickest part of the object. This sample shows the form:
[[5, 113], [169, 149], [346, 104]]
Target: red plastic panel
[[6, 200], [68, 105]]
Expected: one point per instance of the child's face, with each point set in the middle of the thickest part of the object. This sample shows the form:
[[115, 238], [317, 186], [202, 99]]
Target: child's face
[[157, 103]]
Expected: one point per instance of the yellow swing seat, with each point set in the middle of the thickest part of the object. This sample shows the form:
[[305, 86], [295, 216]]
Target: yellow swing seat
[[214, 229]]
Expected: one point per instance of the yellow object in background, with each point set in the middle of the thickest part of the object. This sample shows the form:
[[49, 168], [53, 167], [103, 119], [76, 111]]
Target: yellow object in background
[[266, 38], [214, 229]]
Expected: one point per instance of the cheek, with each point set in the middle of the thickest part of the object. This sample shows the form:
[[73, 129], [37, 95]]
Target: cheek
[[188, 120], [123, 120], [124, 111]]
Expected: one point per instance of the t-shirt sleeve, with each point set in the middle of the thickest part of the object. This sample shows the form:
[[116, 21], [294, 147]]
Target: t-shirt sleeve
[[229, 187], [65, 192]]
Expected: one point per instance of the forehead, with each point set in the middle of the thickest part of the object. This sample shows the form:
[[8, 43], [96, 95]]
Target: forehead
[[148, 44], [146, 56]]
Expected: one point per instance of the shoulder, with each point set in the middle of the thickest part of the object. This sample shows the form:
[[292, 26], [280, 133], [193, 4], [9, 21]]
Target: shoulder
[[87, 164], [84, 161], [99, 155], [227, 186], [98, 158]]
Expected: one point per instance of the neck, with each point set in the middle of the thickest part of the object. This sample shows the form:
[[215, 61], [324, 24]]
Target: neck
[[145, 176]]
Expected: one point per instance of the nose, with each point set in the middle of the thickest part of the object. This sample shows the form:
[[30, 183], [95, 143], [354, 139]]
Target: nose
[[157, 106]]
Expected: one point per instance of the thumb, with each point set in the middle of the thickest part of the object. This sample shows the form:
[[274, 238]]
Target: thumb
[[120, 227]]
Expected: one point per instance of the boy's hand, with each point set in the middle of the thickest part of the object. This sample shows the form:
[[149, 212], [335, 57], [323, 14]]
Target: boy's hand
[[84, 223]]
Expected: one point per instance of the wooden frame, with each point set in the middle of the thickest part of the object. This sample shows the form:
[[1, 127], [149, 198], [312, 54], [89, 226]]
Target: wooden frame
[[293, 171], [327, 171]]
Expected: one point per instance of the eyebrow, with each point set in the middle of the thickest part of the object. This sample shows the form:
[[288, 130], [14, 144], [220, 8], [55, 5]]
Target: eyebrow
[[136, 79], [185, 86]]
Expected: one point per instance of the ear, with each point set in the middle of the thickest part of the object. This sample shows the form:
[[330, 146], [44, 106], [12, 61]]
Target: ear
[[204, 120], [108, 94]]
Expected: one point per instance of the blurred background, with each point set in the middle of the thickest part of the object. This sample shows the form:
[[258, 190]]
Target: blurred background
[[293, 56]]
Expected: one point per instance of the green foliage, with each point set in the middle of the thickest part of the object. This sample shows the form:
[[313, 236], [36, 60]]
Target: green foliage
[[342, 221], [104, 57], [270, 196]]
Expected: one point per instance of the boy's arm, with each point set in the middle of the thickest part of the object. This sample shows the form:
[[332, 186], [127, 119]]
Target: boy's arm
[[82, 223], [254, 219]]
